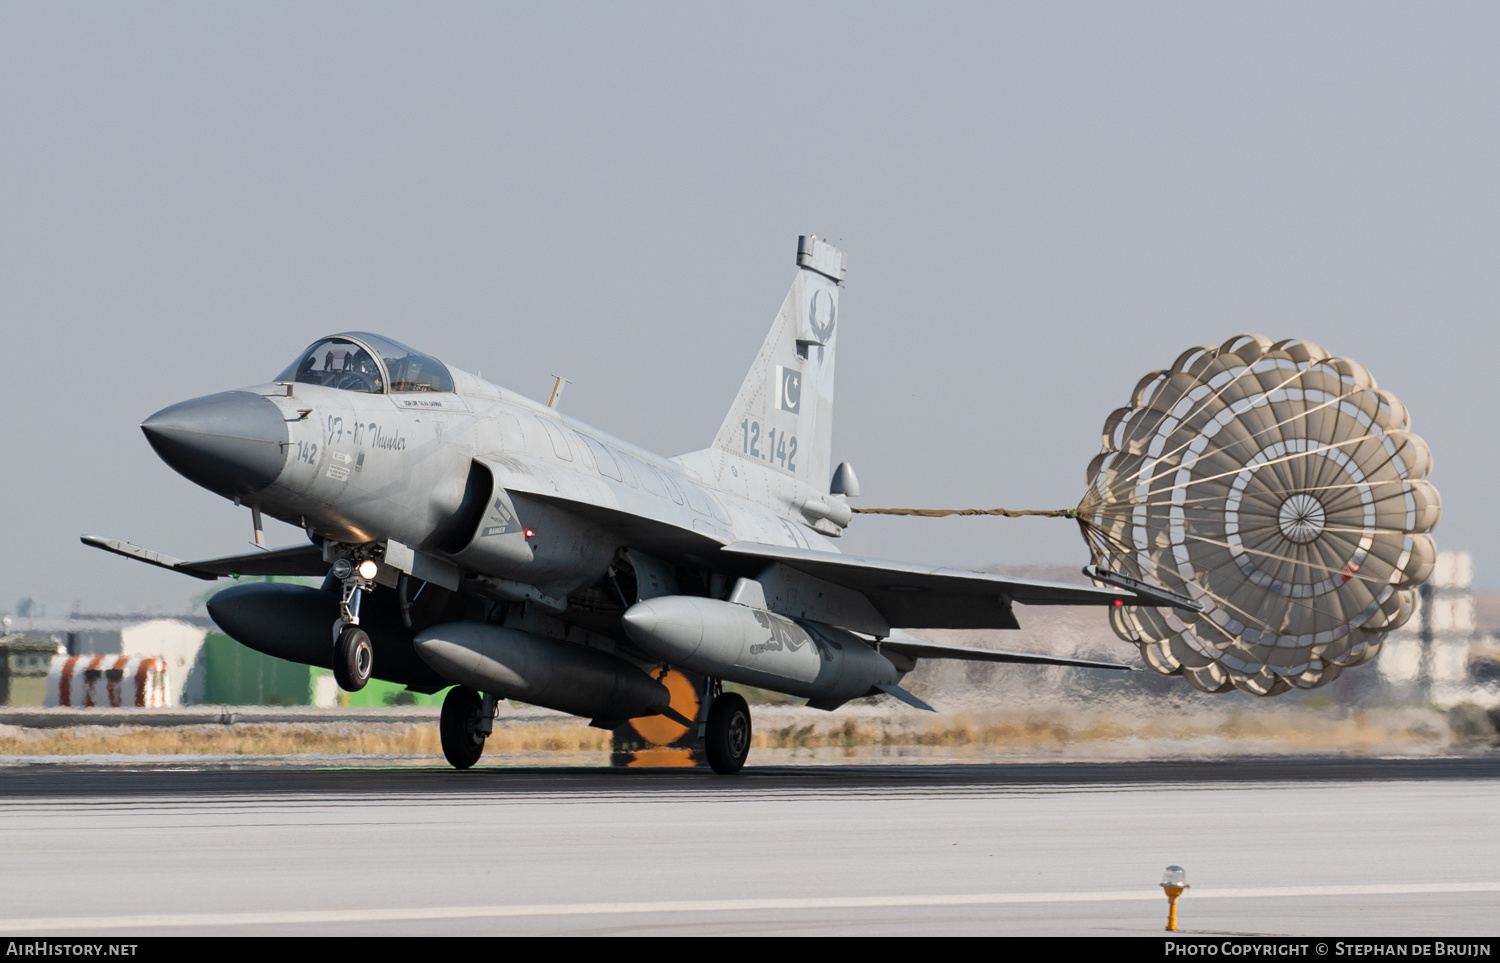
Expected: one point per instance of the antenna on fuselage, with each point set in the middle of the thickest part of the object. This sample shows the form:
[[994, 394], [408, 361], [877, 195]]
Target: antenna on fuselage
[[260, 529], [557, 390]]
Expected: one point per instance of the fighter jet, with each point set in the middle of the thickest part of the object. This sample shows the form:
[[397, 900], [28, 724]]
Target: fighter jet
[[473, 539]]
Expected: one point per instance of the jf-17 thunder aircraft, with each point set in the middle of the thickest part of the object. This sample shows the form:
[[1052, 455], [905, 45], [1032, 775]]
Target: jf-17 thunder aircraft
[[471, 538]]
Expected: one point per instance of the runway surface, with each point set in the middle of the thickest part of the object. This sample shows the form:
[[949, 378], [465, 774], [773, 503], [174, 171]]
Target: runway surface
[[1274, 846]]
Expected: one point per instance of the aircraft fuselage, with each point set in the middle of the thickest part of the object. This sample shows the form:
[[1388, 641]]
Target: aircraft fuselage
[[362, 468]]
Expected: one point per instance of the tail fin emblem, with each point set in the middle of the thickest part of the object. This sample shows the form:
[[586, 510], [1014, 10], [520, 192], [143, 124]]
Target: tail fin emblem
[[821, 329]]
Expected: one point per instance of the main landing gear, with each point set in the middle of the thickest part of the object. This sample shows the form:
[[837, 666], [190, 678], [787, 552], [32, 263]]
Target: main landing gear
[[727, 739], [467, 720]]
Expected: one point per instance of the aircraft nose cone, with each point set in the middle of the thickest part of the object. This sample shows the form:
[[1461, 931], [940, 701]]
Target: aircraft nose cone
[[232, 443]]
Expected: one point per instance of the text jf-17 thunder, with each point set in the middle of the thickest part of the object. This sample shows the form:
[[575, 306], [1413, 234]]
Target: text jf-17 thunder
[[473, 538]]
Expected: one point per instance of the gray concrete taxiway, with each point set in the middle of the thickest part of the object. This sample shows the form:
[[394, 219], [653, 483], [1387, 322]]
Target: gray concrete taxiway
[[1276, 846]]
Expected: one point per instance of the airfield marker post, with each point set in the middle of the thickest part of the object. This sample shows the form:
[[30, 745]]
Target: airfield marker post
[[1173, 882]]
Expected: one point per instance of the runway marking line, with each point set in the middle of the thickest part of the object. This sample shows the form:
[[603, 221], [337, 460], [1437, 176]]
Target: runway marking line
[[180, 920]]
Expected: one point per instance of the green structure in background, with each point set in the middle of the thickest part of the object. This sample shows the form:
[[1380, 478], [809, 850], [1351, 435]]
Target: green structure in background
[[240, 676]]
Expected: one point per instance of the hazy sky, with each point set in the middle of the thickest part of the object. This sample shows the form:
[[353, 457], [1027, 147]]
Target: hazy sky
[[1041, 203]]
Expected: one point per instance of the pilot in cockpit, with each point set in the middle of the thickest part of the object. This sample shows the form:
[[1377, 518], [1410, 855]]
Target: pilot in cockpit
[[350, 366], [361, 373]]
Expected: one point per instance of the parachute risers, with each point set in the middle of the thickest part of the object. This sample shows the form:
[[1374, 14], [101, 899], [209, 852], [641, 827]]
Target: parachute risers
[[737, 643], [544, 672]]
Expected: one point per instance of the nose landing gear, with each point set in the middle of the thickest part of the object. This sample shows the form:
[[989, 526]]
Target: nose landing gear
[[353, 655], [353, 658]]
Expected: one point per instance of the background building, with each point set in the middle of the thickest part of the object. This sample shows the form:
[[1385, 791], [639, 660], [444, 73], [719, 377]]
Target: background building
[[204, 666], [1444, 655], [178, 641]]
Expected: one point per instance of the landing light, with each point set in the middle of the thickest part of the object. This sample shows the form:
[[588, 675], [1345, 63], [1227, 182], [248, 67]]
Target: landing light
[[367, 569]]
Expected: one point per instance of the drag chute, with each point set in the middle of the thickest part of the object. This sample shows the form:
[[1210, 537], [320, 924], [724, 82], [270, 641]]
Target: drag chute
[[1281, 489]]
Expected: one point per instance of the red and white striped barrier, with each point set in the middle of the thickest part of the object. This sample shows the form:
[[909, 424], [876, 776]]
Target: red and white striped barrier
[[107, 680]]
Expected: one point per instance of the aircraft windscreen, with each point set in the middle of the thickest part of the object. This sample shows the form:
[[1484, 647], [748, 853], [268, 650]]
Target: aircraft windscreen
[[410, 370], [336, 363], [347, 364]]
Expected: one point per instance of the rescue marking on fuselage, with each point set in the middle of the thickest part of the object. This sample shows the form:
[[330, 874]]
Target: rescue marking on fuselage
[[507, 519]]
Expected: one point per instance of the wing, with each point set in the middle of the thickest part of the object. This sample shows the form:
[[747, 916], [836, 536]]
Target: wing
[[920, 596], [296, 560]]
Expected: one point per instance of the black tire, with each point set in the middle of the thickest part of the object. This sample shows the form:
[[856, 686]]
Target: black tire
[[459, 727], [353, 658], [728, 738]]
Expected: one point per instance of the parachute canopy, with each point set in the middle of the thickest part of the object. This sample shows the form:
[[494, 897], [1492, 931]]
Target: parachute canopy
[[1282, 489]]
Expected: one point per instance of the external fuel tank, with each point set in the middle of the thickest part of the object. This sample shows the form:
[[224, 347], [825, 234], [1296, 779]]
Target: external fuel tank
[[546, 672], [738, 643]]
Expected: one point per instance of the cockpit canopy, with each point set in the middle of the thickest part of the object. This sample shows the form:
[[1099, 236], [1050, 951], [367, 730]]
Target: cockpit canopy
[[368, 363]]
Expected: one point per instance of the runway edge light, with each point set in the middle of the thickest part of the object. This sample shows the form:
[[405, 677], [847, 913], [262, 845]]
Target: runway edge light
[[1173, 881]]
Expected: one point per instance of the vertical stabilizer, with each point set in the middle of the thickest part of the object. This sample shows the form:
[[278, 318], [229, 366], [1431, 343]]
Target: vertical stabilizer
[[783, 414]]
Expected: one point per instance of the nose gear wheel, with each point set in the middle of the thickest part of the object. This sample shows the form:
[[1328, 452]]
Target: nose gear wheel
[[353, 658]]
